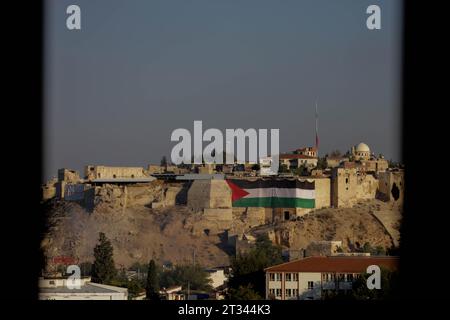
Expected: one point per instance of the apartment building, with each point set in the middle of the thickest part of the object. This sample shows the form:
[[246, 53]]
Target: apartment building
[[311, 277]]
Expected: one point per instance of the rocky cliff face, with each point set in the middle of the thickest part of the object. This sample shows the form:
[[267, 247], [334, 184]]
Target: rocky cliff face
[[171, 231]]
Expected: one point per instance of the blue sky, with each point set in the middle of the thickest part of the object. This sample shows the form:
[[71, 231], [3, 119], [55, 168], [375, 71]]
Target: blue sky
[[137, 70]]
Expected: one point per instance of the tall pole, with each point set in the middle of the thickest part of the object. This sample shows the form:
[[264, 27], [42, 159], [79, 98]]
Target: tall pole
[[317, 131], [188, 290]]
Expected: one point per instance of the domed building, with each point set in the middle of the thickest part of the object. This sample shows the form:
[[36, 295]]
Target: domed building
[[361, 152]]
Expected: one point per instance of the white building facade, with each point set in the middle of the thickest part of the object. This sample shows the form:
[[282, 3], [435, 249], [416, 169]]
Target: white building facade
[[310, 278], [59, 289]]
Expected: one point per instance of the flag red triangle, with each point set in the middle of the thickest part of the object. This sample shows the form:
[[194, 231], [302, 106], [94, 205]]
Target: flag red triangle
[[237, 192]]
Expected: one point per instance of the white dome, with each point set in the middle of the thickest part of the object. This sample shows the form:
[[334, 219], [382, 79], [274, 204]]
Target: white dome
[[362, 147]]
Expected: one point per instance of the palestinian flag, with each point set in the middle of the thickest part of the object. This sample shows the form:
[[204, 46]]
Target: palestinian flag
[[272, 193]]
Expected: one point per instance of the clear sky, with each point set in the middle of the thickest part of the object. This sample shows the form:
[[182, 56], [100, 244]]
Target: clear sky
[[116, 89]]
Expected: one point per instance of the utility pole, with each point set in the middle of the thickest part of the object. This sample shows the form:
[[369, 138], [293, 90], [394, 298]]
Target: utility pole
[[188, 290]]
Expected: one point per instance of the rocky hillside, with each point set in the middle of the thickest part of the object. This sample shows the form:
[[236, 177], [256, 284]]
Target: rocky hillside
[[139, 232]]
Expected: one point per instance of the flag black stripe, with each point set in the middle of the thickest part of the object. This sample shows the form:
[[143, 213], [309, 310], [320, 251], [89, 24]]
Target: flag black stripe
[[285, 183]]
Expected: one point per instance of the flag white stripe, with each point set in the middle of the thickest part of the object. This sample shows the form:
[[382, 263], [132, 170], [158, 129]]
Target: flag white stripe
[[280, 193]]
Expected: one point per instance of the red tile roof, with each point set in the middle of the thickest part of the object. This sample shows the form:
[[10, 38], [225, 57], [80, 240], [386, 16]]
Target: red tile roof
[[335, 264], [295, 156]]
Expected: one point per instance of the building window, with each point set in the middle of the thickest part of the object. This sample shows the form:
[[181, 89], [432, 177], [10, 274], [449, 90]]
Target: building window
[[295, 277], [277, 276], [288, 292], [51, 282], [278, 292], [286, 215], [272, 292], [310, 285], [346, 180], [349, 277], [342, 277], [295, 292], [271, 276], [288, 277], [114, 176]]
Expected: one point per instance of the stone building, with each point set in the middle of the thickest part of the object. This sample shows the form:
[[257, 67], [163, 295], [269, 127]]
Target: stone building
[[60, 289], [348, 186], [68, 175], [293, 161], [361, 152], [335, 161], [107, 172], [211, 198], [307, 151], [49, 189], [391, 185]]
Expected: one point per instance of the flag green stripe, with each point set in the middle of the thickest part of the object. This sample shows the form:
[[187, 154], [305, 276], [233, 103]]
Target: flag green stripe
[[274, 202]]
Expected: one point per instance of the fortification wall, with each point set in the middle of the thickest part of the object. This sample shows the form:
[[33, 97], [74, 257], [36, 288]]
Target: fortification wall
[[218, 214], [199, 195], [255, 216], [323, 192], [348, 187], [69, 176], [367, 187], [343, 184], [209, 194], [104, 172], [388, 181]]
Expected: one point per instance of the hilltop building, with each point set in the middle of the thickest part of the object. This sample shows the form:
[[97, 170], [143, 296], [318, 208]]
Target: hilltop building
[[307, 151], [361, 151], [293, 161]]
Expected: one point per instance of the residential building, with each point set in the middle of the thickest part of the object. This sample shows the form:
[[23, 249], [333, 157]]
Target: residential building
[[293, 160], [311, 277], [172, 293], [59, 289], [307, 151]]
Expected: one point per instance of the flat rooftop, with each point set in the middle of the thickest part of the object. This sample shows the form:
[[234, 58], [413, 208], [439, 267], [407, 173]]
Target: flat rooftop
[[124, 180], [86, 288]]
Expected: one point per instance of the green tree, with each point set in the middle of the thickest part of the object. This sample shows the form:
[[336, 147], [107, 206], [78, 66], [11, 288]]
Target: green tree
[[103, 269], [322, 164], [248, 267], [86, 269], [360, 291], [141, 268], [181, 274], [283, 168], [135, 286], [301, 171], [245, 292], [389, 287], [152, 285], [374, 251]]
